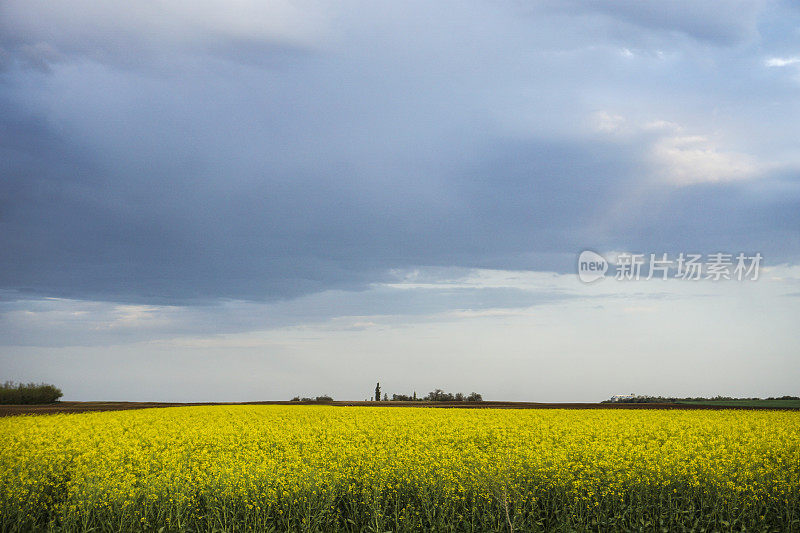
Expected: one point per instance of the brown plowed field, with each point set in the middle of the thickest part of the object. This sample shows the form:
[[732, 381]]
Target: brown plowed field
[[83, 407]]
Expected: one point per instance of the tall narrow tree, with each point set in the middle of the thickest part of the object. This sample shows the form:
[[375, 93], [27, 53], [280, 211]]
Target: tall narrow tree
[[378, 392]]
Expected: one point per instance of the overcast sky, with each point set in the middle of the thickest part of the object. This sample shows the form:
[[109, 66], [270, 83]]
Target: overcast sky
[[251, 200]]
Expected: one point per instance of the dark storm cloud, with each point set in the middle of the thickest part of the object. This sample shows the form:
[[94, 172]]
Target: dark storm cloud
[[172, 159]]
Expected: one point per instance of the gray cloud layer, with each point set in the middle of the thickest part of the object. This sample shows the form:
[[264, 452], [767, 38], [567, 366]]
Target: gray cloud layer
[[275, 151]]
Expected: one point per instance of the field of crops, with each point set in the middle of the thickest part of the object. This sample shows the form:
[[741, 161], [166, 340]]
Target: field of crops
[[312, 468]]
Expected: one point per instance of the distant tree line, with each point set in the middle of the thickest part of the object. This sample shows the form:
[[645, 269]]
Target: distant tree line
[[438, 395], [671, 399], [319, 399], [404, 398], [784, 398], [646, 399], [28, 393]]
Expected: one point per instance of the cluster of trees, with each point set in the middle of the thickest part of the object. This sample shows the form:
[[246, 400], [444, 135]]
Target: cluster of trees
[[662, 399], [28, 393], [784, 398], [404, 398], [642, 399], [321, 399], [441, 396], [437, 395]]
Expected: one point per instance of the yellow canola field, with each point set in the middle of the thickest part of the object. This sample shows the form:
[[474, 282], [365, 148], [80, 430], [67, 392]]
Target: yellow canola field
[[264, 464]]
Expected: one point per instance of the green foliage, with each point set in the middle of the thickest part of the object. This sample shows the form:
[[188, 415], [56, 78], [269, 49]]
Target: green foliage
[[439, 395], [28, 393], [721, 401], [409, 509], [403, 398], [319, 399]]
